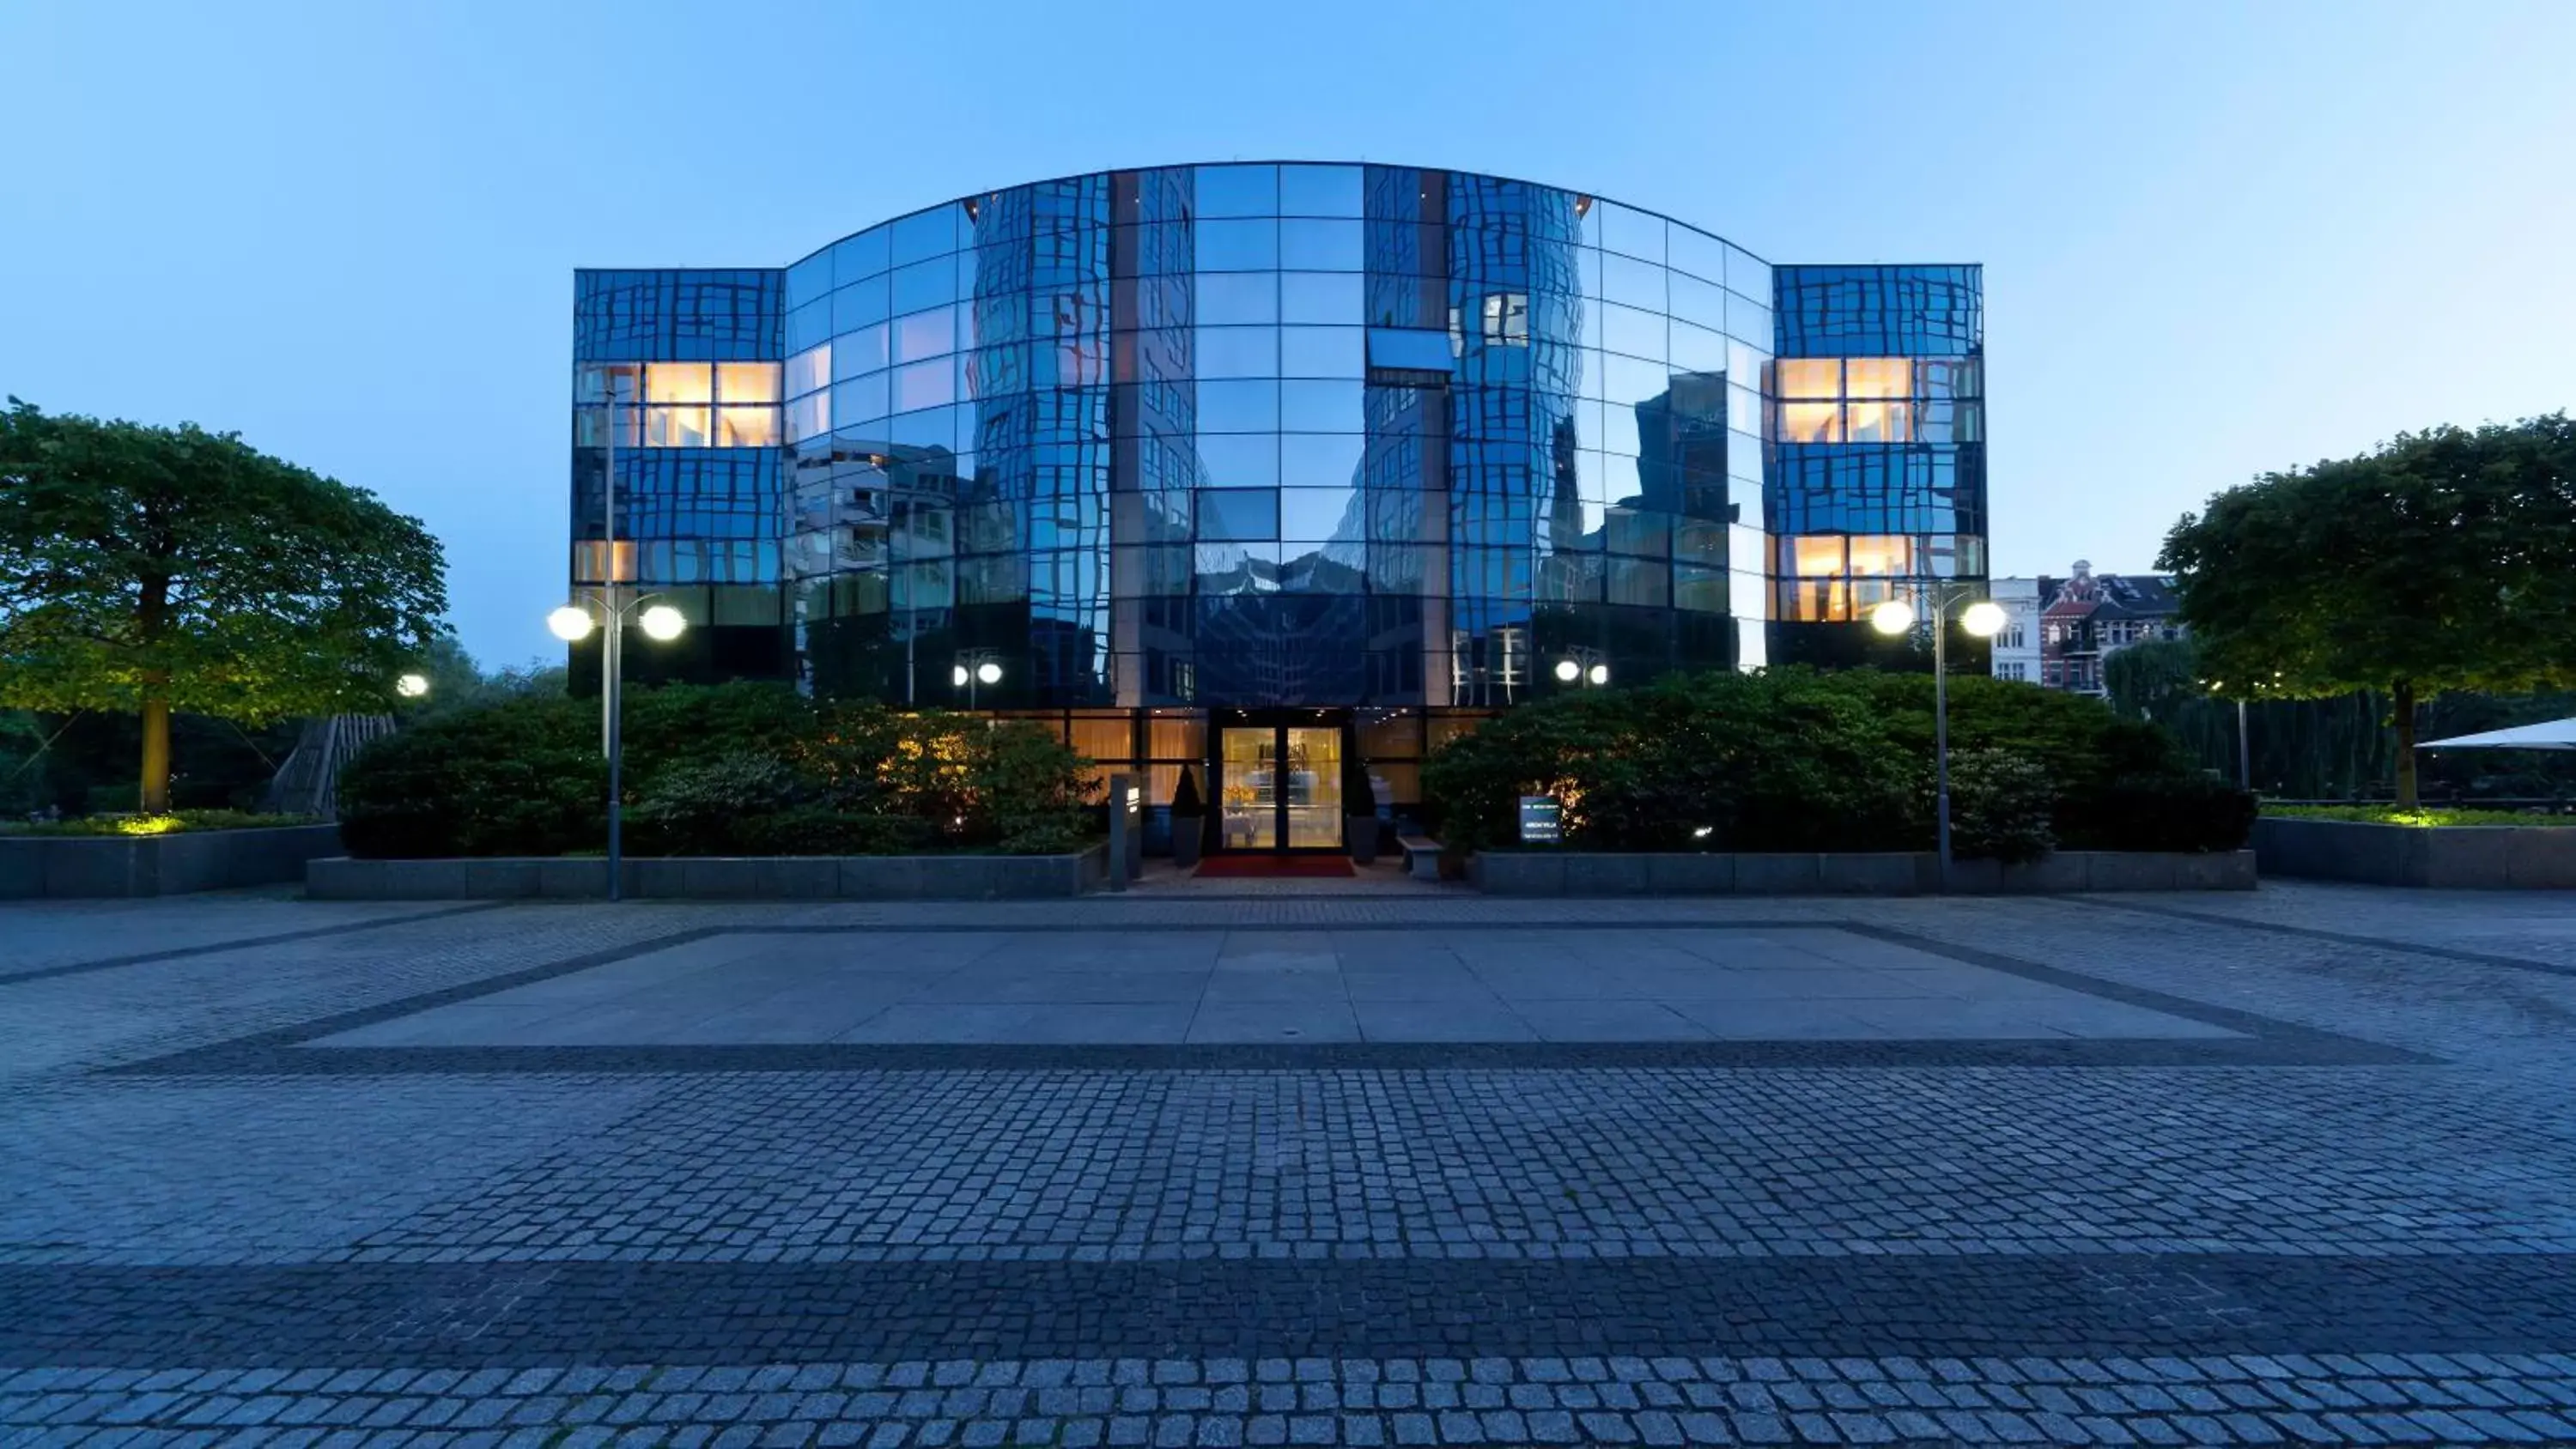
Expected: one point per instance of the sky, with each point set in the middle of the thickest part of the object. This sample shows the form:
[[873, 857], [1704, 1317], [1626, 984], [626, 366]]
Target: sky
[[2218, 239]]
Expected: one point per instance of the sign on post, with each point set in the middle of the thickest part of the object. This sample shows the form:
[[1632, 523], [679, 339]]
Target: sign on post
[[1542, 820]]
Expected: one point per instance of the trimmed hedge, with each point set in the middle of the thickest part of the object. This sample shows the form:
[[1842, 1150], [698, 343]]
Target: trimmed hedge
[[1794, 759], [734, 769]]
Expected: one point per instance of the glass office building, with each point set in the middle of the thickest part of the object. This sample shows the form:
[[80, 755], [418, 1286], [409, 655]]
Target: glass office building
[[1256, 468]]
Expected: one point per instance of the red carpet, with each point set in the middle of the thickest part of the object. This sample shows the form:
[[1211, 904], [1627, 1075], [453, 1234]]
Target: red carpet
[[1239, 867]]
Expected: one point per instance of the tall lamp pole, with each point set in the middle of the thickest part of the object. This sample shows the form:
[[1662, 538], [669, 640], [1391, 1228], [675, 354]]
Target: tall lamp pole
[[574, 621], [974, 668], [1982, 617], [2244, 738], [1583, 666]]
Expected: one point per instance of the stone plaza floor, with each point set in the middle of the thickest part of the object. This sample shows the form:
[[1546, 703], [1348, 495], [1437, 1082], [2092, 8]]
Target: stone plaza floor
[[1385, 1166]]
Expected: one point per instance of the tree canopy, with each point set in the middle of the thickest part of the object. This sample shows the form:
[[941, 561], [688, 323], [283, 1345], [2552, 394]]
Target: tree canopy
[[147, 569], [2445, 560]]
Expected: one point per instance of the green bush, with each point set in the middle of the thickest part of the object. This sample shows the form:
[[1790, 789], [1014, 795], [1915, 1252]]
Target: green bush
[[736, 769], [2001, 804], [1792, 759], [523, 777], [2189, 812], [712, 807], [1781, 760]]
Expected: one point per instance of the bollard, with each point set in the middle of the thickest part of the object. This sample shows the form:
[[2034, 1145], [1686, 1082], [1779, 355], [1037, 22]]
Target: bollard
[[1126, 831]]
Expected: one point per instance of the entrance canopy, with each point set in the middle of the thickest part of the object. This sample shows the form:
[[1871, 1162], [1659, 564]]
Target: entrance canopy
[[2558, 734]]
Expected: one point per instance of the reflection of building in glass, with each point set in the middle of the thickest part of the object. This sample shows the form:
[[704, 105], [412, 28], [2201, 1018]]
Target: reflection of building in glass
[[1206, 440]]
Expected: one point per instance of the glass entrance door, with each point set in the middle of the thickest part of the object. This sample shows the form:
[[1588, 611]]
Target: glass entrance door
[[1313, 803], [1249, 811], [1281, 788]]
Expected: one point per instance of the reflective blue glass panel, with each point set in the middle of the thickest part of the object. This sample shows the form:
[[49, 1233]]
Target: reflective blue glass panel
[[1232, 514], [1237, 246], [1238, 191], [1320, 191]]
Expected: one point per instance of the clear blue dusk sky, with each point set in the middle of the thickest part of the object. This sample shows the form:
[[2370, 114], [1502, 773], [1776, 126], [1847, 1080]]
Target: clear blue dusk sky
[[2218, 239]]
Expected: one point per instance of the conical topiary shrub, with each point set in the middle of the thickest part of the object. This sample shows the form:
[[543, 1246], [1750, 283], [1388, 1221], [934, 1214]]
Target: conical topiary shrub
[[1359, 811], [1189, 821]]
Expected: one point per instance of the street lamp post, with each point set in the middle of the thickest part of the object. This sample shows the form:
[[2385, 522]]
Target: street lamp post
[[2244, 738], [974, 668], [1981, 617], [573, 622], [2244, 751], [1583, 666]]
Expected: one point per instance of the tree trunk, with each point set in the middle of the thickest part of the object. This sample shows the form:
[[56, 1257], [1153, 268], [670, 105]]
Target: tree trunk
[[152, 614], [2402, 710], [156, 744]]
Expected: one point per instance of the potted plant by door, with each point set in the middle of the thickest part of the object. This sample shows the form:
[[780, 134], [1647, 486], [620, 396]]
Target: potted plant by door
[[1359, 812], [1189, 821]]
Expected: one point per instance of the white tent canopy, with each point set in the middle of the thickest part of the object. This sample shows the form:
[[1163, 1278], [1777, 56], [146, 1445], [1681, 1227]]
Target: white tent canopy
[[2558, 734]]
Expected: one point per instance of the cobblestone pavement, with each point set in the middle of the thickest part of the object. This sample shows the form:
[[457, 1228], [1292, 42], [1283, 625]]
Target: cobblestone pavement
[[2345, 1215]]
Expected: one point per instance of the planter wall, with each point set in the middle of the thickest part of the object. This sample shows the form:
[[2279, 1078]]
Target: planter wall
[[69, 866], [715, 878], [2451, 857], [1892, 873]]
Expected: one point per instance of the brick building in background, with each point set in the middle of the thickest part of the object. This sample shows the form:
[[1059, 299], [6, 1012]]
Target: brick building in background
[[2062, 629]]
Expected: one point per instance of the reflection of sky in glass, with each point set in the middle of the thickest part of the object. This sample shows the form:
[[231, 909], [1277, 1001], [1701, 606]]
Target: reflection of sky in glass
[[1479, 402]]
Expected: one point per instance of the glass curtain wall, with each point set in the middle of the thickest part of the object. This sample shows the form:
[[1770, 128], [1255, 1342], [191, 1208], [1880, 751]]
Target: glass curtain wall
[[1270, 435]]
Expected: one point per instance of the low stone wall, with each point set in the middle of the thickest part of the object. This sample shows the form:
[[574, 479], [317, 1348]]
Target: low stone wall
[[714, 878], [59, 867], [1891, 873], [2446, 857]]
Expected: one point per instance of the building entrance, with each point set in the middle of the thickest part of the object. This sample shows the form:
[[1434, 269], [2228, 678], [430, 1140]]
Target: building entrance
[[1279, 787]]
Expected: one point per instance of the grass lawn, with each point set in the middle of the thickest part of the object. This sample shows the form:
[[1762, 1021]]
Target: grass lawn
[[2426, 817]]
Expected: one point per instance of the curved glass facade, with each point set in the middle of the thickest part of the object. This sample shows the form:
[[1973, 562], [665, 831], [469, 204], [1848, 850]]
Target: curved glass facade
[[1274, 436]]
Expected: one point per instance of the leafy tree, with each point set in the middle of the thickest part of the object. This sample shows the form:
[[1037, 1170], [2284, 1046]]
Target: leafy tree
[[2444, 561], [458, 682], [149, 569]]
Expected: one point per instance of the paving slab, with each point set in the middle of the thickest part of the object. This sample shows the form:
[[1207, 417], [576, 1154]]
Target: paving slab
[[2286, 1166]]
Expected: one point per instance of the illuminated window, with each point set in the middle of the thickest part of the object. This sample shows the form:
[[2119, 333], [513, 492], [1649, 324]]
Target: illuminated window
[[677, 427], [809, 370], [1878, 377], [589, 561], [1810, 376], [747, 427], [1815, 601], [747, 382], [1803, 422], [1878, 402], [1816, 558], [1878, 422], [679, 382], [1874, 555]]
